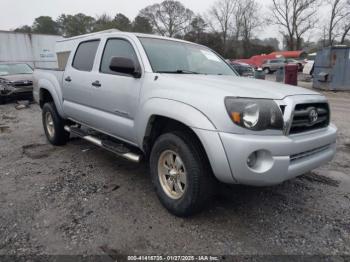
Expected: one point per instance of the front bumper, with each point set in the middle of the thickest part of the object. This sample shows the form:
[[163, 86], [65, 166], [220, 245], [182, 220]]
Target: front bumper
[[13, 92], [283, 157]]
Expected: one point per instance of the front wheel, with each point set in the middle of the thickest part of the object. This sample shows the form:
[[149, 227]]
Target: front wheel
[[54, 125], [181, 173]]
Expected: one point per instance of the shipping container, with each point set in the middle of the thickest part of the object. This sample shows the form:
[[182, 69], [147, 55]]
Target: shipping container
[[37, 50], [331, 69]]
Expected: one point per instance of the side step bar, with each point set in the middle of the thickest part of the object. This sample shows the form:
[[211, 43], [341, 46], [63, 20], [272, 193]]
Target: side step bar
[[118, 149]]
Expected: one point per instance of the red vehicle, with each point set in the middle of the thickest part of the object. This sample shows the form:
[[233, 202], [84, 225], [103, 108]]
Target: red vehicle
[[257, 60]]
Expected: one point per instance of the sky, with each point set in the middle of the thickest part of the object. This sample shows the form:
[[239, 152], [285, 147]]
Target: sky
[[15, 13]]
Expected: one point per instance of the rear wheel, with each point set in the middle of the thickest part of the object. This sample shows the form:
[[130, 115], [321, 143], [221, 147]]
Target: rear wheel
[[267, 70], [54, 125], [181, 173]]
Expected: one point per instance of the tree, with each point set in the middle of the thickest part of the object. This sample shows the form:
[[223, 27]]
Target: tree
[[295, 18], [346, 24], [45, 25], [142, 25], [196, 29], [338, 14], [346, 31], [250, 21], [73, 25], [168, 18], [122, 22], [24, 29], [221, 14], [103, 22]]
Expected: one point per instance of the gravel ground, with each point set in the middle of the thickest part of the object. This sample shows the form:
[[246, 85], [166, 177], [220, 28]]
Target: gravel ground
[[81, 200]]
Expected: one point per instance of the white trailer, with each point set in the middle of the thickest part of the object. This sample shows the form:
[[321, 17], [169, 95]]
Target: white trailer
[[37, 50]]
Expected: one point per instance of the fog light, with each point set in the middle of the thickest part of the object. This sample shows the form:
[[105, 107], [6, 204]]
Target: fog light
[[260, 161], [252, 159]]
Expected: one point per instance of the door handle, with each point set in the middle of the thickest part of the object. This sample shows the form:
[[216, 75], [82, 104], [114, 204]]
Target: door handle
[[96, 84], [68, 79]]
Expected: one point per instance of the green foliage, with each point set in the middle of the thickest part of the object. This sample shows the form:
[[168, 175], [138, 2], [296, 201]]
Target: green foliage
[[72, 25], [103, 22], [197, 30], [122, 23], [24, 29], [45, 25], [142, 25]]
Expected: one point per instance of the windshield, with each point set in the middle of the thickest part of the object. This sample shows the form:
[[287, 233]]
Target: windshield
[[15, 69], [168, 56]]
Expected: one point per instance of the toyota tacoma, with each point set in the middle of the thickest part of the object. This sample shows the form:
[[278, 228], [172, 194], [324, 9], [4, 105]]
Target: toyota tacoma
[[181, 107]]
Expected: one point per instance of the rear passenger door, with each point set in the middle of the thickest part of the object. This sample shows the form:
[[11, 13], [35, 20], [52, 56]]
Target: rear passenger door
[[77, 82], [117, 95]]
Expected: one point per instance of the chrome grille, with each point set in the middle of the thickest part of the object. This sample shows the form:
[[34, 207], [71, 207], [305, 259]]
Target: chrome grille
[[309, 117]]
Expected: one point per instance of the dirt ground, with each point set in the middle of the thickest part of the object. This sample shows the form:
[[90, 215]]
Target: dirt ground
[[79, 199]]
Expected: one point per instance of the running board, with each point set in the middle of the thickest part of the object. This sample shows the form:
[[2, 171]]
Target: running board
[[119, 149]]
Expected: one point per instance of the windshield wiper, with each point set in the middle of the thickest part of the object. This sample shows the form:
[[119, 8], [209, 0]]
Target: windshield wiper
[[179, 71]]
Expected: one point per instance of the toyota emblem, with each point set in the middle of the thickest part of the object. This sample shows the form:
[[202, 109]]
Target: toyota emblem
[[313, 116]]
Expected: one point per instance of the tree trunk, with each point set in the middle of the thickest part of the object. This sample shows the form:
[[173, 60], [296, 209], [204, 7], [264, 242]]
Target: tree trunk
[[290, 43]]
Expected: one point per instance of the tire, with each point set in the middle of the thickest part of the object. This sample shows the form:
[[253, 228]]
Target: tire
[[199, 182], [267, 70], [54, 132]]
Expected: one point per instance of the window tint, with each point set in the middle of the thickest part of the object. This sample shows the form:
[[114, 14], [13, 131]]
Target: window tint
[[85, 55], [116, 48]]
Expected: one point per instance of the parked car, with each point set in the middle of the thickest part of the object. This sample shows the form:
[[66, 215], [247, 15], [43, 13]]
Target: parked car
[[187, 113], [16, 80], [272, 65], [242, 69]]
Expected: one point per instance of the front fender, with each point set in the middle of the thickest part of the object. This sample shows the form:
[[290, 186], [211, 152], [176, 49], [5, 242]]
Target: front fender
[[173, 109], [197, 121]]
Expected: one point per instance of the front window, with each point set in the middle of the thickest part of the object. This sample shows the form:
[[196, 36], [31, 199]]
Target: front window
[[167, 56], [15, 69], [116, 48]]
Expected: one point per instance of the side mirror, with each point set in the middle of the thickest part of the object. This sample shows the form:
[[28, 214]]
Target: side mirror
[[125, 66]]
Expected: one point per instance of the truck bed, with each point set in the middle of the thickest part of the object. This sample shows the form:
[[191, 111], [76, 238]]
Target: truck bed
[[53, 76]]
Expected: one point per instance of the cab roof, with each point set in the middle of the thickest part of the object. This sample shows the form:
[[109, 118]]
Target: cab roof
[[112, 32]]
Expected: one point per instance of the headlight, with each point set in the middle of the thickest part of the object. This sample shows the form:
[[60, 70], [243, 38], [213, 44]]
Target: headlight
[[5, 82], [254, 114]]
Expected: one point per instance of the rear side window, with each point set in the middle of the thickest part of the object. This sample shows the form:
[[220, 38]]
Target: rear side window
[[62, 59], [117, 48], [85, 55]]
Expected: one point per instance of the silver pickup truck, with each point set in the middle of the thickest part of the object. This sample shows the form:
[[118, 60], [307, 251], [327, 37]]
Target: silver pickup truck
[[180, 106]]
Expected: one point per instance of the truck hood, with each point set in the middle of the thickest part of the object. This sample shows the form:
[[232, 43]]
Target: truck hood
[[235, 86]]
